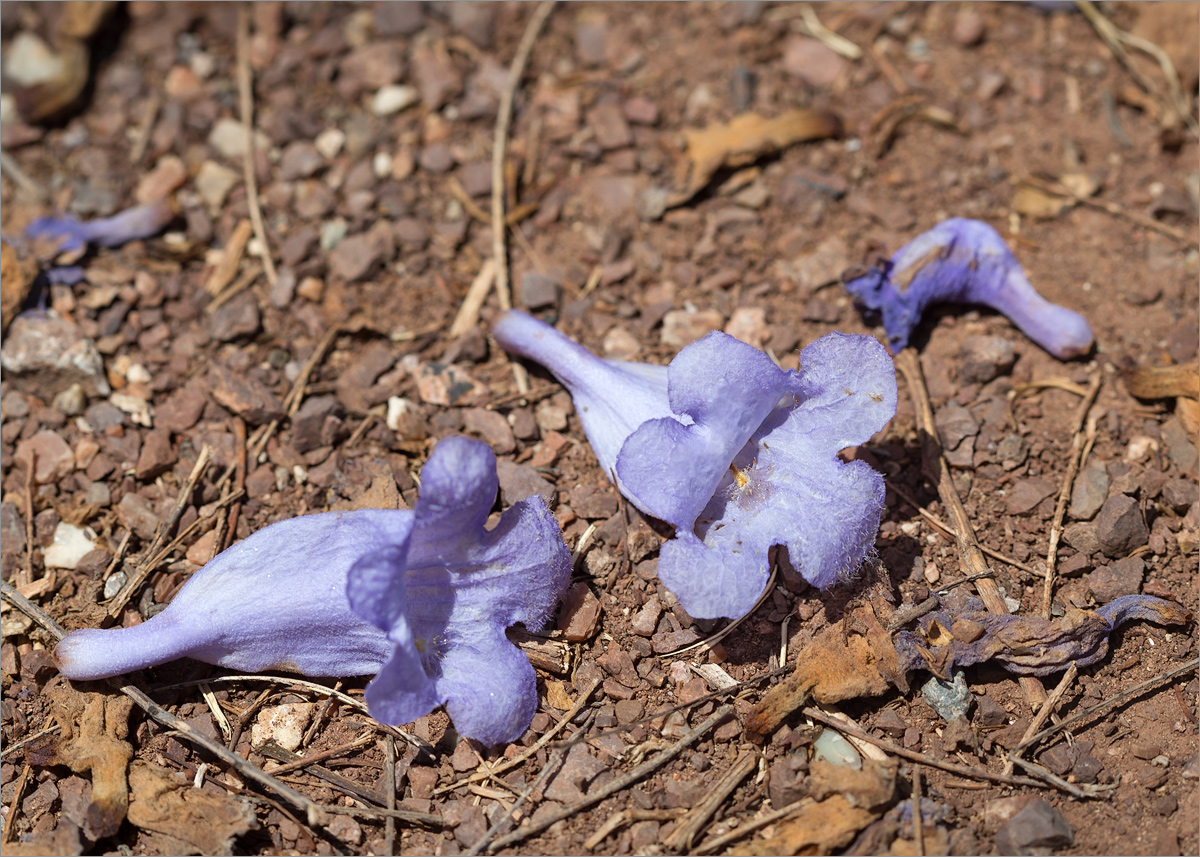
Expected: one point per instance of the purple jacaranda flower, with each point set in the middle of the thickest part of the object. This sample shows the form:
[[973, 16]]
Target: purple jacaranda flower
[[420, 597], [72, 236], [965, 261], [738, 454]]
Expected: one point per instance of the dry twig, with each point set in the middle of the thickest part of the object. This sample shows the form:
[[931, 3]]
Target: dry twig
[[1048, 707], [619, 784], [688, 828], [938, 471], [1078, 442], [246, 106]]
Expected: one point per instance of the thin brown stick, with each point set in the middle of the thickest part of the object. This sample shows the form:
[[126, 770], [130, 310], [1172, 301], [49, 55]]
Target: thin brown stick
[[389, 782], [29, 519], [333, 752], [10, 168], [718, 843], [295, 396], [1121, 697], [153, 554], [938, 470], [320, 718], [617, 785], [624, 817], [141, 136], [1078, 442], [918, 822], [529, 751], [1113, 208], [1048, 708], [246, 108], [16, 802], [688, 828], [500, 146], [468, 311], [913, 756], [951, 533], [551, 767]]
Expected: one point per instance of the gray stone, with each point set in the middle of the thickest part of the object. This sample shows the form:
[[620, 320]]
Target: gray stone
[[954, 424], [787, 780], [46, 354], [1179, 494], [608, 124], [1120, 527], [950, 699], [1089, 491], [137, 513], [466, 820], [246, 396], [985, 358], [594, 501], [355, 257], [239, 318], [1038, 826], [578, 769], [537, 291], [300, 160], [1012, 451], [1081, 535], [1023, 497], [1180, 445], [309, 421], [492, 427], [1123, 577], [519, 481], [157, 455]]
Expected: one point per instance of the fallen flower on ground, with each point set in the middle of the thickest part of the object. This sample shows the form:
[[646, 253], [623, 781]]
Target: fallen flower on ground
[[71, 236], [738, 454], [965, 261], [1025, 645], [420, 597]]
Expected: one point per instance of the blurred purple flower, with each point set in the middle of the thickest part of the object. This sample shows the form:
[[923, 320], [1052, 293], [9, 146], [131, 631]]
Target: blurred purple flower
[[738, 454], [420, 597], [72, 236], [965, 261]]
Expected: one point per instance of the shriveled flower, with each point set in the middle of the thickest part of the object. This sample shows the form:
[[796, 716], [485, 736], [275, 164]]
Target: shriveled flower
[[965, 261], [1026, 645], [71, 236], [738, 454], [421, 597]]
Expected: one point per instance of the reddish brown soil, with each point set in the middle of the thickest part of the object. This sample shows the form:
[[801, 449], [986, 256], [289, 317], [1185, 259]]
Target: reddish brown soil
[[609, 89]]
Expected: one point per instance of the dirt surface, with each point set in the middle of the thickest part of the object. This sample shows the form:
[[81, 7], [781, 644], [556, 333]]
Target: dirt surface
[[374, 223]]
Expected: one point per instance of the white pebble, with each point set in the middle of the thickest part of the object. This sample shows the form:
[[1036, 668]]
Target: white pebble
[[69, 545], [393, 98]]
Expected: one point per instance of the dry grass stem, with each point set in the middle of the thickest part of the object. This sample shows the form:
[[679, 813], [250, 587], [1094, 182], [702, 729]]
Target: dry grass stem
[[246, 108]]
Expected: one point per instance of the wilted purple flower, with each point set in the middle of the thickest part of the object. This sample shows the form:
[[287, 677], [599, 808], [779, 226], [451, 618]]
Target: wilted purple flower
[[736, 453], [965, 261], [73, 235], [421, 597], [1026, 645]]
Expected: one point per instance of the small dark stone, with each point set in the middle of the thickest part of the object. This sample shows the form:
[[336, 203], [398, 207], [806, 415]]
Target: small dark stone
[[594, 501], [1123, 577], [1025, 494], [237, 319], [985, 358], [246, 396], [1060, 758], [787, 780], [989, 713], [519, 481], [1089, 491], [1086, 768], [157, 456], [891, 723], [181, 410], [537, 291], [309, 421], [1037, 826], [1120, 527]]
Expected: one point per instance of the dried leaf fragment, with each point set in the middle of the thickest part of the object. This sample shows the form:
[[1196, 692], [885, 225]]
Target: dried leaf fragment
[[744, 139], [93, 739], [191, 820]]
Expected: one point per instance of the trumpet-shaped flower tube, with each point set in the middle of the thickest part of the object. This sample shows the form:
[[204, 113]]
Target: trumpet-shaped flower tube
[[965, 261], [74, 235], [422, 598], [738, 454]]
